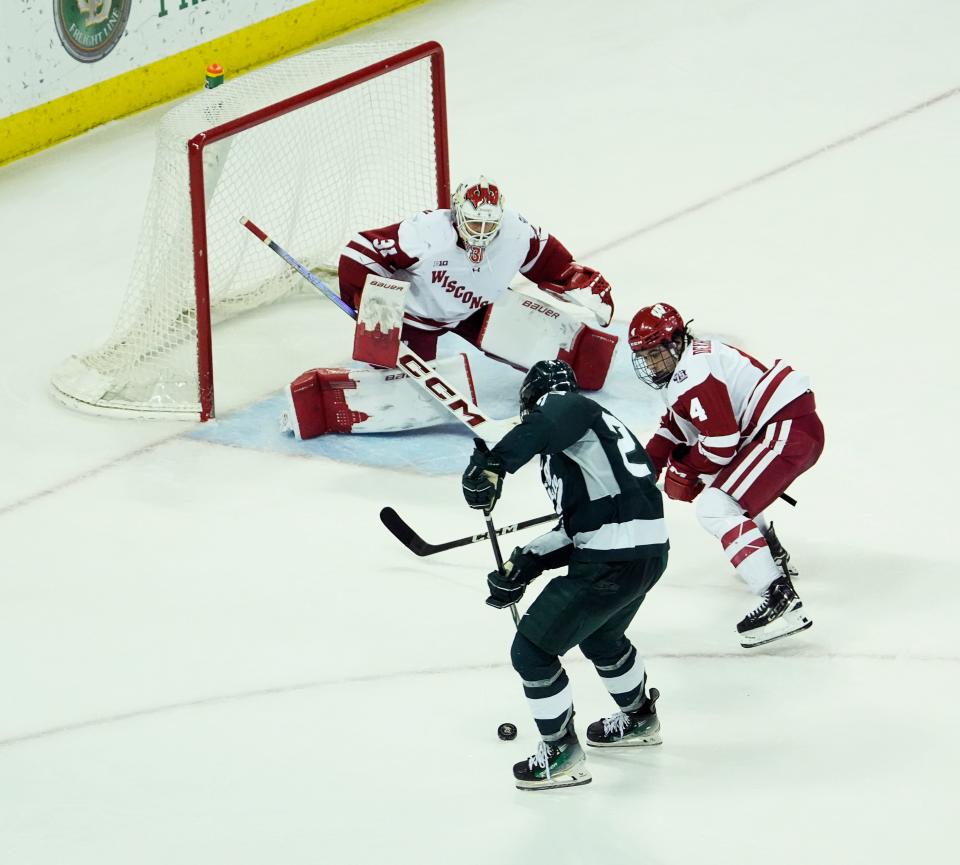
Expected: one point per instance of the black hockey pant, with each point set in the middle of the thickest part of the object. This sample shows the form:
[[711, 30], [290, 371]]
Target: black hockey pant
[[591, 606]]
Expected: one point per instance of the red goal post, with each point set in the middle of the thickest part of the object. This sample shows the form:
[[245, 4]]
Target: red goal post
[[316, 146]]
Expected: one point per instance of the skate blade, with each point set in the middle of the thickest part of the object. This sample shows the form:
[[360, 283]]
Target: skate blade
[[568, 779], [635, 742], [789, 623]]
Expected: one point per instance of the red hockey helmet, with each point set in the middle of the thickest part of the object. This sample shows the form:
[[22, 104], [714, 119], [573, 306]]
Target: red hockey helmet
[[657, 337], [653, 326]]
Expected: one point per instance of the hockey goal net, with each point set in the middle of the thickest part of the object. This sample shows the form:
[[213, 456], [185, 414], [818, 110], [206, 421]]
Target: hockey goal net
[[313, 148]]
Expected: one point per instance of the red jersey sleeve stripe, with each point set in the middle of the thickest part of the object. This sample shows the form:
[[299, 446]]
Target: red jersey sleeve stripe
[[762, 393]]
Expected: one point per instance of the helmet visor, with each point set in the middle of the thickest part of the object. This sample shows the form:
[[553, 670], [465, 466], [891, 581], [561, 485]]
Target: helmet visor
[[654, 366], [479, 232]]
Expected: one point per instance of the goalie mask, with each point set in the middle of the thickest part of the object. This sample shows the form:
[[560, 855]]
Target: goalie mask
[[545, 376], [657, 338], [478, 210]]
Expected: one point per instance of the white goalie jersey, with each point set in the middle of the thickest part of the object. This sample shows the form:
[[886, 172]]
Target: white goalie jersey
[[445, 285]]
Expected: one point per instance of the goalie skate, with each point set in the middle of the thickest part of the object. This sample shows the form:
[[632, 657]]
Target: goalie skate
[[779, 615], [555, 764]]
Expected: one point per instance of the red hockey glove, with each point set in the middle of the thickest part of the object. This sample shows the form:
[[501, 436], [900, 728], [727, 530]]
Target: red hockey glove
[[586, 287], [682, 484]]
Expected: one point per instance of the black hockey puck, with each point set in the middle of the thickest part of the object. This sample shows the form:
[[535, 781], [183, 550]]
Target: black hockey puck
[[507, 731]]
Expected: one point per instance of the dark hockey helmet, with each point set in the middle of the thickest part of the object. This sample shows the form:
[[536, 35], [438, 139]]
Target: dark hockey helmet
[[657, 337], [545, 376]]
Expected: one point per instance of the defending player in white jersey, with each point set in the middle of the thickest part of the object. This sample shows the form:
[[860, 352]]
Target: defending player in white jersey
[[453, 267], [736, 434]]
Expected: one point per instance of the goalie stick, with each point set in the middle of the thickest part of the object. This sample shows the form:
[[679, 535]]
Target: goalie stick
[[416, 368], [399, 528]]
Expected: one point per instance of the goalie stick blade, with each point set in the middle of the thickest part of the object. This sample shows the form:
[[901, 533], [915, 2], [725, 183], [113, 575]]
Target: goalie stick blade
[[399, 528]]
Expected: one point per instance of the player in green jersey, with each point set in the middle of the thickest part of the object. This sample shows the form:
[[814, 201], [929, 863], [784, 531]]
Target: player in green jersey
[[611, 538]]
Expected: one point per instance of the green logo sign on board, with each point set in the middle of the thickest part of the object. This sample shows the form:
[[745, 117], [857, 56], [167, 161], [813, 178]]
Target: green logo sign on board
[[89, 29]]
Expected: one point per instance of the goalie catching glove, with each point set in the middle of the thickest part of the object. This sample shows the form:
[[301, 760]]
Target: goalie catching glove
[[585, 287], [483, 479], [507, 587]]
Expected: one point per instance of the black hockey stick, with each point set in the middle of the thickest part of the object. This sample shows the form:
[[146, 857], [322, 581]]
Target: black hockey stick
[[398, 527], [492, 534]]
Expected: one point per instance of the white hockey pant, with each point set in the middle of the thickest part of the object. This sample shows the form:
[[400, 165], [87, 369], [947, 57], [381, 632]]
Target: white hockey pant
[[741, 537]]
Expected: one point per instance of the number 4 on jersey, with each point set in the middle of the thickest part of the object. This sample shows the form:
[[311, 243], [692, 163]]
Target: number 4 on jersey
[[697, 410]]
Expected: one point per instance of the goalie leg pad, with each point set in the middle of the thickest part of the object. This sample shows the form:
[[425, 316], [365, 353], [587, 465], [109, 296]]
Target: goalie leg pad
[[317, 403], [367, 400], [590, 356]]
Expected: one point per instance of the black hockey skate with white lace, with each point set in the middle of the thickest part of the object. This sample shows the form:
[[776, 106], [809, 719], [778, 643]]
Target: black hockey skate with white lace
[[779, 614], [555, 764], [626, 729], [780, 556]]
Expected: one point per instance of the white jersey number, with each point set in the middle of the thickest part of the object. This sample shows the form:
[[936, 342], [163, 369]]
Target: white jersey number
[[632, 461], [697, 410]]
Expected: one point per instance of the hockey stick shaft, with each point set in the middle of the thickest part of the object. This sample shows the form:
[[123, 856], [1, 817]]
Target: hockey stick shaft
[[402, 531], [307, 274], [492, 533], [416, 368]]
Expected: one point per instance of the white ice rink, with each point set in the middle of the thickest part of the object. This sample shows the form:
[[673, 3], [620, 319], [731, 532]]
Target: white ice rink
[[214, 653]]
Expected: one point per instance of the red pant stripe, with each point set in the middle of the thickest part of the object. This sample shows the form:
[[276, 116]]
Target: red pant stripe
[[737, 532], [748, 550]]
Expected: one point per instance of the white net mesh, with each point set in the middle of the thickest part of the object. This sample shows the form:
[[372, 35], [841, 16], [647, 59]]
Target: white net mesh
[[311, 178]]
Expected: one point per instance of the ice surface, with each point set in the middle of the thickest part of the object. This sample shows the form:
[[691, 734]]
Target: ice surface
[[211, 651]]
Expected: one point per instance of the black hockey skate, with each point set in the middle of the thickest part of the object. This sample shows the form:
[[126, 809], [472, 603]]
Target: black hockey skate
[[779, 614], [556, 764], [780, 556], [626, 729]]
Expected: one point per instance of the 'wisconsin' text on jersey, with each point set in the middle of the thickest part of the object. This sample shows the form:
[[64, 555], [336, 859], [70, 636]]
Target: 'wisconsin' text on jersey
[[425, 250]]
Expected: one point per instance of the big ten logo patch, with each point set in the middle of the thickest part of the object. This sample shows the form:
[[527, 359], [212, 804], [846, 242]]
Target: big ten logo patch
[[90, 29]]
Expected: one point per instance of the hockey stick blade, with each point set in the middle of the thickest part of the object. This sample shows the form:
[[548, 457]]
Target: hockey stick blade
[[399, 528]]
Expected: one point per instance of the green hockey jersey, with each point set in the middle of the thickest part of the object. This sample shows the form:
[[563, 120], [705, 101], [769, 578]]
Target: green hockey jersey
[[598, 476]]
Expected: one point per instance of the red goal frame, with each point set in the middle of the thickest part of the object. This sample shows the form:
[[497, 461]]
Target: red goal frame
[[196, 145]]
